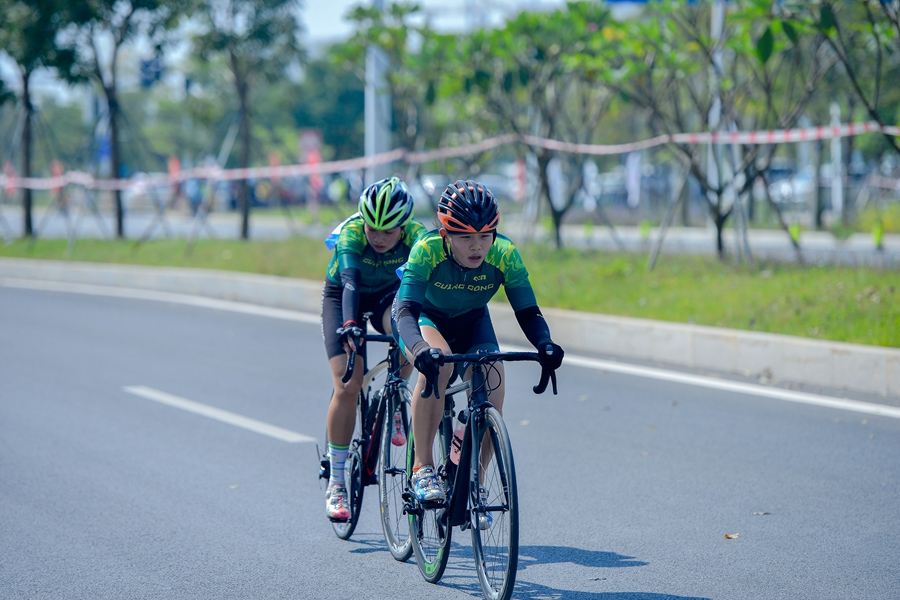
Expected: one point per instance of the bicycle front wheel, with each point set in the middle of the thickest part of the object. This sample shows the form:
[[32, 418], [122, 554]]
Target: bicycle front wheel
[[494, 510], [392, 474], [429, 529]]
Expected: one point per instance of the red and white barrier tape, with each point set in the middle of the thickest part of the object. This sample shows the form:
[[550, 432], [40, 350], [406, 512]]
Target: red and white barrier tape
[[777, 136]]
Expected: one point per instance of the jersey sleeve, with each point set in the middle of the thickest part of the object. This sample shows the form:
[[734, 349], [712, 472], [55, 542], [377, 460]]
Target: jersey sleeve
[[350, 245], [515, 277], [423, 257]]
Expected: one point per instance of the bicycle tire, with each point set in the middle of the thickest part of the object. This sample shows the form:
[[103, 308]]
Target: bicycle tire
[[353, 473], [429, 532], [496, 548], [392, 477]]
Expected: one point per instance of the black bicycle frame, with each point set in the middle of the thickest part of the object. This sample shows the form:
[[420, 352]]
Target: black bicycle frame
[[474, 411], [373, 415]]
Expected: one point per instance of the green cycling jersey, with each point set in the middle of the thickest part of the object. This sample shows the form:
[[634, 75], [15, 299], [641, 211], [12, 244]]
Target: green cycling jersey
[[376, 271], [436, 282]]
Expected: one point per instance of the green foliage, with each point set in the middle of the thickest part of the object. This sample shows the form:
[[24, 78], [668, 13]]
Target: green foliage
[[765, 45], [827, 21]]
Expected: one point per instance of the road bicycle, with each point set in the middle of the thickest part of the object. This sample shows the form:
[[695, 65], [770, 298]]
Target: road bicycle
[[479, 478], [377, 453]]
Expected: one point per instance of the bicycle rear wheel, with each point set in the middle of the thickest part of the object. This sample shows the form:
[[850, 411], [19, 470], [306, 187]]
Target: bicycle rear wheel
[[353, 475], [494, 514], [392, 474], [429, 529]]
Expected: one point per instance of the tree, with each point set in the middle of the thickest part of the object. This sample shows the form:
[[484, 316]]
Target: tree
[[97, 32], [332, 100], [865, 37], [428, 108], [755, 75], [259, 38], [540, 76], [28, 37]]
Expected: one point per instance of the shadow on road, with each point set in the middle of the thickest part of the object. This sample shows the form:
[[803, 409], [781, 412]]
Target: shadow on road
[[544, 555], [533, 591], [461, 575]]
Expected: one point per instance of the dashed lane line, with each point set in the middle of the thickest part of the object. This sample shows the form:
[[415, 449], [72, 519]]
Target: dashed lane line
[[273, 431]]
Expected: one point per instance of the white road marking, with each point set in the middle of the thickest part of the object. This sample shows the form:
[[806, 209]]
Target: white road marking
[[140, 294], [218, 414], [726, 385], [571, 359]]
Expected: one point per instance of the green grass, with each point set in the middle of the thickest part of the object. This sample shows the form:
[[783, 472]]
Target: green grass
[[843, 304]]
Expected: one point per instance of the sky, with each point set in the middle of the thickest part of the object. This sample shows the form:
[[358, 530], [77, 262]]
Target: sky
[[325, 18]]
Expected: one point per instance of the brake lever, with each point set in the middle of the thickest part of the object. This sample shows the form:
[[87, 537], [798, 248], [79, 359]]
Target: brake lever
[[430, 387], [358, 340], [350, 366], [541, 387]]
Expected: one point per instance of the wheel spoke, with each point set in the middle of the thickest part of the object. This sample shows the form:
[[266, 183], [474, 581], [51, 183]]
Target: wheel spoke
[[392, 477], [495, 541]]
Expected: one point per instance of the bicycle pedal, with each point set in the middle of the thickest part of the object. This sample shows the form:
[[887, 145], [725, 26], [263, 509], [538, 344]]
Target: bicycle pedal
[[334, 520], [410, 509]]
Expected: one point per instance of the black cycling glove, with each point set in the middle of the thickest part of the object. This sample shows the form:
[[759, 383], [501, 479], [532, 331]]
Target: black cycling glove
[[349, 330], [551, 355], [428, 365]]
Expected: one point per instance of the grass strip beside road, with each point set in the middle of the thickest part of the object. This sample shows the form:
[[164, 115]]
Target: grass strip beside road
[[858, 305]]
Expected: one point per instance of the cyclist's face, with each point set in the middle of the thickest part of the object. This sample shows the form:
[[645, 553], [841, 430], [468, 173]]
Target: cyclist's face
[[469, 250], [382, 240]]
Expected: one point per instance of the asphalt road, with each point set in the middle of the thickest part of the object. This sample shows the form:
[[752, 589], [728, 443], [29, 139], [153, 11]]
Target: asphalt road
[[627, 485]]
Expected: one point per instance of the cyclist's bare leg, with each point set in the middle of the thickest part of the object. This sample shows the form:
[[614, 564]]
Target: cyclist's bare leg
[[342, 409], [406, 368], [427, 412]]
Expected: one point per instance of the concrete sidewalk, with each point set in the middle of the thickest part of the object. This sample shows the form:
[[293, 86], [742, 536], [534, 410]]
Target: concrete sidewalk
[[853, 367]]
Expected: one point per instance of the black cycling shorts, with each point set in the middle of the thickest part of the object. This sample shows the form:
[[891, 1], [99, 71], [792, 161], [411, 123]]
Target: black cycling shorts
[[469, 332], [333, 317]]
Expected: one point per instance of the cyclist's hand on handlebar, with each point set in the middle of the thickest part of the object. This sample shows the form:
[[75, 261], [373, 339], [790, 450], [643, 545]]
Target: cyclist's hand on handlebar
[[551, 355], [428, 363], [349, 335]]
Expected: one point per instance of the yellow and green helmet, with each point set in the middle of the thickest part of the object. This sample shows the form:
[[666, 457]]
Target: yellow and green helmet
[[386, 204]]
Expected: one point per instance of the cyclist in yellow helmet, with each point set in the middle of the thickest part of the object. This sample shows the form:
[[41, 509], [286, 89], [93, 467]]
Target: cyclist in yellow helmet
[[361, 277]]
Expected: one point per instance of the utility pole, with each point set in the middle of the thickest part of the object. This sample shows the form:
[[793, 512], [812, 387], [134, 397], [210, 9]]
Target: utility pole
[[377, 107]]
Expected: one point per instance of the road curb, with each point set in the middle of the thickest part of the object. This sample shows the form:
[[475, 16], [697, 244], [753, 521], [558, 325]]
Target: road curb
[[854, 367]]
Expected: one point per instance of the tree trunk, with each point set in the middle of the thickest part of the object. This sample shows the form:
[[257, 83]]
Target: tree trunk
[[557, 226], [543, 164], [113, 105], [245, 162], [243, 92], [817, 179], [719, 221], [26, 153]]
